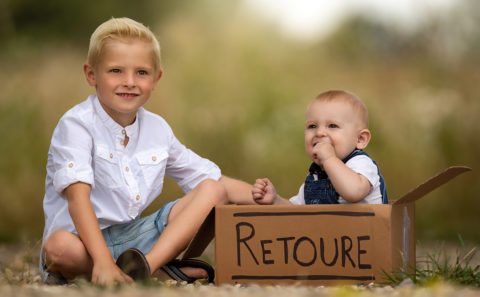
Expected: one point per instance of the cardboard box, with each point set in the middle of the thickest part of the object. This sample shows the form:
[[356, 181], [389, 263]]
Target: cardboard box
[[315, 244]]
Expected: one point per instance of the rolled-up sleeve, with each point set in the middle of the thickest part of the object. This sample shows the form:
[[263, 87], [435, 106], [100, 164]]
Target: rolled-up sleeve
[[188, 168], [71, 149], [365, 166]]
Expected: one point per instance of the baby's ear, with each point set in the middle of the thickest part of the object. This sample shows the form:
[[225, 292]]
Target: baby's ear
[[363, 139]]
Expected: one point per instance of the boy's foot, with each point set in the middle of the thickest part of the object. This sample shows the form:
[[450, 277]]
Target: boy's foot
[[54, 279], [134, 264], [188, 270]]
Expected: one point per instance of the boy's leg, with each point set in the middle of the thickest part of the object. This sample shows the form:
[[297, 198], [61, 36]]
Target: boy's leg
[[184, 219], [65, 254]]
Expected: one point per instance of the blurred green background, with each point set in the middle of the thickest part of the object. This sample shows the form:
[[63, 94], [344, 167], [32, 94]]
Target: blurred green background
[[235, 88]]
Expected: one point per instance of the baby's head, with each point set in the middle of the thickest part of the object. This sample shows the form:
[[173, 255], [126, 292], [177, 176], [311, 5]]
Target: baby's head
[[358, 108], [121, 29], [339, 118]]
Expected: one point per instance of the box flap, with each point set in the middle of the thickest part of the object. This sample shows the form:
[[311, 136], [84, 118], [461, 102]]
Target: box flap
[[432, 183], [205, 234]]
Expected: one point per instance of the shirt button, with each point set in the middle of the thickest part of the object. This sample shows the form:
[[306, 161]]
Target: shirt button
[[127, 169], [138, 197], [124, 132], [111, 156], [70, 165], [154, 158], [121, 142]]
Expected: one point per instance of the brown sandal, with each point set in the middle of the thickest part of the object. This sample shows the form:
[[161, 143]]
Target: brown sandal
[[134, 264], [172, 268]]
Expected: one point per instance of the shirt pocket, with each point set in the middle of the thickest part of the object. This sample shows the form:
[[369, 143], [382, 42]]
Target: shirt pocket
[[106, 168], [152, 164]]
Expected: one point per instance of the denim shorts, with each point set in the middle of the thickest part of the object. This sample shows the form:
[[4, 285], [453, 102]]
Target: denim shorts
[[141, 234]]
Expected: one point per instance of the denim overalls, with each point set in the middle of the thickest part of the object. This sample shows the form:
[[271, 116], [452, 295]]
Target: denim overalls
[[318, 188]]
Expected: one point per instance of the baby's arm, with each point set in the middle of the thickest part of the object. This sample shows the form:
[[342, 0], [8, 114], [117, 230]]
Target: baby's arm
[[350, 185], [104, 271], [263, 192]]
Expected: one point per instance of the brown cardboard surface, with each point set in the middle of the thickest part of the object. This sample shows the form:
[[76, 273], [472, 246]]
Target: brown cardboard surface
[[320, 244], [402, 231], [315, 244], [432, 183]]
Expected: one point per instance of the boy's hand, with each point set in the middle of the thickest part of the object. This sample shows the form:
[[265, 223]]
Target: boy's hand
[[107, 273], [323, 151], [263, 192]]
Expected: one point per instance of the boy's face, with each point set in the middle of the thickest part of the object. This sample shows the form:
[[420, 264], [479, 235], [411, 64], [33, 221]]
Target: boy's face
[[334, 122], [124, 78]]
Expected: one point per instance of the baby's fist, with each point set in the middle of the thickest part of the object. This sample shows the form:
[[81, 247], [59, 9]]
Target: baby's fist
[[323, 151], [263, 191]]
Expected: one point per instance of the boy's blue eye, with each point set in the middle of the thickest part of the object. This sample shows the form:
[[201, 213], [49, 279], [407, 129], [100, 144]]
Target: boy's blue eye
[[142, 72], [115, 70]]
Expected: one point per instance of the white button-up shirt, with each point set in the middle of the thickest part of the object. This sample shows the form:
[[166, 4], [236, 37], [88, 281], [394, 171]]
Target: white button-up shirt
[[87, 146]]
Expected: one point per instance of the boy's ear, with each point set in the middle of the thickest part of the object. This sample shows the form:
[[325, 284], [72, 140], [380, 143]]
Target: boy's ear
[[159, 75], [363, 139], [89, 74]]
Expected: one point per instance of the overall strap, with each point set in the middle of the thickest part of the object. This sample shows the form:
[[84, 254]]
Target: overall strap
[[316, 169], [354, 154]]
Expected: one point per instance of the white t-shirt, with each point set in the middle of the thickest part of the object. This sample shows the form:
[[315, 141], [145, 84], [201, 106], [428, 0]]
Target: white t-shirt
[[361, 164], [87, 147]]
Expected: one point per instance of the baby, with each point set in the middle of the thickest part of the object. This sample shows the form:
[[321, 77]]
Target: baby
[[336, 132]]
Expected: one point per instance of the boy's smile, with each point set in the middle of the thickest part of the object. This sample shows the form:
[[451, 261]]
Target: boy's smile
[[124, 78]]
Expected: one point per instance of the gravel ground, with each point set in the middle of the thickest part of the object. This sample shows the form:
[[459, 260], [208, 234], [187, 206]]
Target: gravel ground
[[19, 277], [438, 290]]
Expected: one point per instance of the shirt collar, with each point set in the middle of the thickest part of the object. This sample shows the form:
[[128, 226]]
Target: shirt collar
[[113, 126]]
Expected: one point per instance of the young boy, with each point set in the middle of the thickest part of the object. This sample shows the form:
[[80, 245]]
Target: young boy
[[106, 163], [336, 132]]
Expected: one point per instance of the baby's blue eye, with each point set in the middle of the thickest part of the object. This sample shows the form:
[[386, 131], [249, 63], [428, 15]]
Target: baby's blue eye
[[115, 70], [332, 126], [312, 126]]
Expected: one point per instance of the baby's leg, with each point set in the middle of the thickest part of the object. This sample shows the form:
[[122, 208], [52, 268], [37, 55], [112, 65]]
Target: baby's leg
[[65, 254], [184, 220]]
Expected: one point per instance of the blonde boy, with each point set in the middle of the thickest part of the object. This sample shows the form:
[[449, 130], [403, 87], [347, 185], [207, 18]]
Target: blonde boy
[[106, 163], [336, 132]]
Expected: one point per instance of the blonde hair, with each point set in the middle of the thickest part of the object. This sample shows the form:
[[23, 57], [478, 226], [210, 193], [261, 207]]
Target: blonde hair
[[355, 102], [121, 29]]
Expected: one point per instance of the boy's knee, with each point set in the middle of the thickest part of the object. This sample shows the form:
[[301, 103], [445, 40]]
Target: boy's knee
[[217, 191], [58, 245], [55, 243]]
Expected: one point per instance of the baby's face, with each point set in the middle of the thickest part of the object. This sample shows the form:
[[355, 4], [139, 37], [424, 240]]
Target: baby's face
[[334, 122], [124, 78]]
